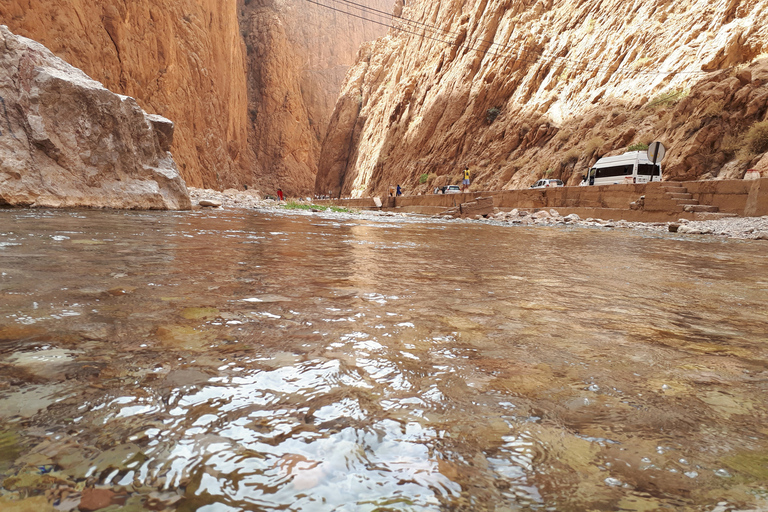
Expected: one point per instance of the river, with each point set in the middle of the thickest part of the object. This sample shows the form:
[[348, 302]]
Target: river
[[260, 360]]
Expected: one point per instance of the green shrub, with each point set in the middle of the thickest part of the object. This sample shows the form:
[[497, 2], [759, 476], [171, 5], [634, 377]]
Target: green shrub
[[492, 113], [294, 205], [423, 178], [668, 98], [638, 147]]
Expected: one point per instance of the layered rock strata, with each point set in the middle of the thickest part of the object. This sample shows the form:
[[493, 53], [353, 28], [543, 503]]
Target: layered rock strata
[[182, 59], [66, 141], [523, 89]]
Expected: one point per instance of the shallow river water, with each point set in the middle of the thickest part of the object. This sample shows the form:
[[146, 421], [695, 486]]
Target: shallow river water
[[245, 360]]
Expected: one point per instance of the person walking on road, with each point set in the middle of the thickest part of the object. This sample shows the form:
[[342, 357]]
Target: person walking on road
[[399, 191]]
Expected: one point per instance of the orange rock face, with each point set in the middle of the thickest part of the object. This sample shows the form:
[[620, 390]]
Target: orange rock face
[[252, 116], [524, 89], [182, 59], [298, 54]]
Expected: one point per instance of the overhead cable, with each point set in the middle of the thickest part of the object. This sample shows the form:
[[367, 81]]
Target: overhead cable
[[414, 27]]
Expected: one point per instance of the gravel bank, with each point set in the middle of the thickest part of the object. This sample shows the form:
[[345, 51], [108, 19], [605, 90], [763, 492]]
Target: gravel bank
[[745, 228]]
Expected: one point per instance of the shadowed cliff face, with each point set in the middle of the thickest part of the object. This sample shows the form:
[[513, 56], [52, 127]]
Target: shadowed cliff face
[[522, 89], [66, 141], [298, 54], [252, 116], [182, 59]]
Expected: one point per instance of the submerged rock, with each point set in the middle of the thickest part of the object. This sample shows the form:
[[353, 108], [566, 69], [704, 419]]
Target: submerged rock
[[66, 141]]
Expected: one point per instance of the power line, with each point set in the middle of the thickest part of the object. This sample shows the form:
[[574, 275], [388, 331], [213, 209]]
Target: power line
[[539, 55], [502, 51]]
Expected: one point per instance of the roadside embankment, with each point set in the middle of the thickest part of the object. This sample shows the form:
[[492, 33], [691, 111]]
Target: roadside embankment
[[737, 227], [642, 202]]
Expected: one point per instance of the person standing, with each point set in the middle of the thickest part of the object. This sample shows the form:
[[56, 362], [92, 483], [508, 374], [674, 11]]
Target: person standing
[[399, 191], [280, 194], [465, 182]]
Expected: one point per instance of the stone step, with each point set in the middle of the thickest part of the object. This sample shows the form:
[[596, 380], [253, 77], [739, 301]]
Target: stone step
[[696, 208], [670, 186], [681, 196], [712, 216], [685, 201]]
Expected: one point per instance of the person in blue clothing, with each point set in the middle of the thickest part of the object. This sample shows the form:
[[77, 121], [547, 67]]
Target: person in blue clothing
[[399, 191]]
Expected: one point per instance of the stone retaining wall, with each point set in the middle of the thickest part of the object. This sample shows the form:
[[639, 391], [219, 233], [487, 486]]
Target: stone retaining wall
[[747, 198]]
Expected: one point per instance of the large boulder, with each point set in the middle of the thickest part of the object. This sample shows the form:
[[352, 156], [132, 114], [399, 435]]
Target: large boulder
[[66, 141]]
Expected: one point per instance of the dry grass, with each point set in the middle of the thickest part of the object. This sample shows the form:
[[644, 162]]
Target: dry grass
[[731, 144], [593, 145], [664, 121], [713, 109], [756, 138], [571, 156]]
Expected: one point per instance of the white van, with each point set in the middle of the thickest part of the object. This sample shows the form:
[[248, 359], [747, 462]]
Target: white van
[[631, 167]]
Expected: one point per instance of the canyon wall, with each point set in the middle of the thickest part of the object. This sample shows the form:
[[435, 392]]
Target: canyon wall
[[523, 89], [298, 54], [183, 59], [249, 84], [66, 141]]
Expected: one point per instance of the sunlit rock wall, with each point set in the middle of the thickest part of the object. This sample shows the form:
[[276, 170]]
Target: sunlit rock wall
[[520, 89]]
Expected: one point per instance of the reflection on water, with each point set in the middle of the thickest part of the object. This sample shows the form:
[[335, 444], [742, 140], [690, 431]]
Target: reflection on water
[[225, 361]]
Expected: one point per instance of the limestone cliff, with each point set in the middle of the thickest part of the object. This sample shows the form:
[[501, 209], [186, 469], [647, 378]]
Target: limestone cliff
[[298, 53], [520, 89], [183, 59], [65, 140]]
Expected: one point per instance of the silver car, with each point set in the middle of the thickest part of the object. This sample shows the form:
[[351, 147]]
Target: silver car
[[452, 189], [547, 184]]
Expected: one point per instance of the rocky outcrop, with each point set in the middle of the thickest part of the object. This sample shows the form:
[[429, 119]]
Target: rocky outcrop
[[67, 141], [298, 53], [524, 89], [182, 59]]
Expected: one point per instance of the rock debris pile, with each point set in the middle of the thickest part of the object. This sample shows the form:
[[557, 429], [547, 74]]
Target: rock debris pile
[[748, 228], [229, 198]]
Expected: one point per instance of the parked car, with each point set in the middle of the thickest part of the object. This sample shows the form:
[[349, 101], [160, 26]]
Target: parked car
[[548, 183], [452, 189]]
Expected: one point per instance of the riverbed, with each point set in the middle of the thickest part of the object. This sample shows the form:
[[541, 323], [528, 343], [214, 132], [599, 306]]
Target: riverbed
[[227, 360]]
